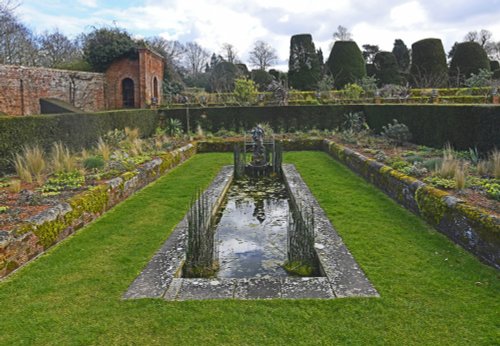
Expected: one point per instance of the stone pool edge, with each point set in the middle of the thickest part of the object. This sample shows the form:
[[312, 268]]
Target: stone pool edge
[[343, 277]]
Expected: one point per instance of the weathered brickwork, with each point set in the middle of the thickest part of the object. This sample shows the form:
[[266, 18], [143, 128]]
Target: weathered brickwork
[[21, 89]]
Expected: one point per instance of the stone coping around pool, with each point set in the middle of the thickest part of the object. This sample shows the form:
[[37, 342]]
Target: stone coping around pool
[[35, 235], [342, 276], [471, 227]]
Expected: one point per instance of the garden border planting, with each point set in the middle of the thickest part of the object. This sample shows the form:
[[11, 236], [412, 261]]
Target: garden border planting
[[37, 234], [472, 228]]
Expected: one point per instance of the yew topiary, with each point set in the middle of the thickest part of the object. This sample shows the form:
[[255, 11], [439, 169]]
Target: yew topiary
[[304, 67], [428, 64], [469, 58], [386, 68], [346, 63]]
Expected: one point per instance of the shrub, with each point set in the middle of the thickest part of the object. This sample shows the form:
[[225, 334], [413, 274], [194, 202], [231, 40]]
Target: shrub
[[481, 79], [173, 127], [428, 63], [469, 58], [386, 68], [396, 132], [304, 67], [354, 121], [352, 91], [261, 79], [244, 90], [369, 85], [93, 162], [346, 63]]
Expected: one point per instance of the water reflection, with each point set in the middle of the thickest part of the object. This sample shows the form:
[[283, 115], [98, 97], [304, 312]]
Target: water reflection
[[251, 233]]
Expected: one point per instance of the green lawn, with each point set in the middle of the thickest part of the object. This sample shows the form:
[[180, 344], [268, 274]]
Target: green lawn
[[432, 292]]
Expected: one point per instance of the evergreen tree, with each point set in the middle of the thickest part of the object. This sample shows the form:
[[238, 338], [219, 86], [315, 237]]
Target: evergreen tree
[[345, 63], [102, 46], [402, 55], [386, 68], [428, 64], [469, 58], [304, 68]]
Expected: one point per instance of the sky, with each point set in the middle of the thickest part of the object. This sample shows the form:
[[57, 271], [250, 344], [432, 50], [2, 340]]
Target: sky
[[211, 23]]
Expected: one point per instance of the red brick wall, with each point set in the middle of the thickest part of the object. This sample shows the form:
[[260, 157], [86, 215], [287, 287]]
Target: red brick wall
[[151, 67], [115, 74], [22, 87]]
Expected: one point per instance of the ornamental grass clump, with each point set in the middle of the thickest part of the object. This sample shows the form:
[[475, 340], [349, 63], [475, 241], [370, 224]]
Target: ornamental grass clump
[[495, 163], [61, 159], [103, 149], [449, 164], [31, 164]]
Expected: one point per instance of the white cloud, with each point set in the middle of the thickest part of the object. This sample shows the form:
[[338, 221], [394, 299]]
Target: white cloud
[[408, 14], [88, 3]]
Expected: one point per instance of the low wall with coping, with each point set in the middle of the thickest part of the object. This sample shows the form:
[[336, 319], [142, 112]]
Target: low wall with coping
[[37, 234], [472, 228]]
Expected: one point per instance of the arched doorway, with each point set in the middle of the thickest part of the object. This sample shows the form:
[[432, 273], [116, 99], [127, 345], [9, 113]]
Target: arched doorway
[[128, 93]]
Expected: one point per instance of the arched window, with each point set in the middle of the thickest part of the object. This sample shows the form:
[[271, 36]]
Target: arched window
[[155, 90], [128, 93]]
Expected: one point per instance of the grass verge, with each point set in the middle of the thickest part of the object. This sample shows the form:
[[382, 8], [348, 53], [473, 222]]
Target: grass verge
[[432, 292]]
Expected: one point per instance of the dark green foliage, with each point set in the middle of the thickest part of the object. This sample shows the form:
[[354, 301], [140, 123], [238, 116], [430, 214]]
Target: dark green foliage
[[75, 130], [386, 68], [370, 70], [345, 63], [428, 64], [304, 67], [222, 77], [402, 55], [102, 46], [464, 126], [469, 58], [496, 74], [434, 125], [396, 132], [173, 127], [94, 162], [243, 70], [369, 52], [494, 65], [261, 78]]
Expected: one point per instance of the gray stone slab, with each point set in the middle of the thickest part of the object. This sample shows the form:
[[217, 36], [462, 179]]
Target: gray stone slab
[[202, 289], [306, 288], [258, 288]]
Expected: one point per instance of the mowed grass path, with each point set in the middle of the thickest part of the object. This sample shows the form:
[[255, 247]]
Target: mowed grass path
[[432, 292]]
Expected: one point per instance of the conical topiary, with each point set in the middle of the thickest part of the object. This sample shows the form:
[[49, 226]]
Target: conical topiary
[[346, 63]]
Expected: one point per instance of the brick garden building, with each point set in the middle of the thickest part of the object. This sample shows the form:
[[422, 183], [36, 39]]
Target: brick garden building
[[127, 83]]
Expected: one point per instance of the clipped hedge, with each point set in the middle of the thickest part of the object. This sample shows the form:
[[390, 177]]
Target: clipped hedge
[[281, 118], [464, 126], [76, 130]]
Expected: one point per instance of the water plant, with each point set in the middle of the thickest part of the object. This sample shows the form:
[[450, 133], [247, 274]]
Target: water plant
[[200, 247]]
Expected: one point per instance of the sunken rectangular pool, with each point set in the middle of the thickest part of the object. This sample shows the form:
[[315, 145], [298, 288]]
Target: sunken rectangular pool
[[248, 238]]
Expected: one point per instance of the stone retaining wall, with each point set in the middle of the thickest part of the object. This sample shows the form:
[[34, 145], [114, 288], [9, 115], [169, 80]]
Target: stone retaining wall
[[472, 228], [37, 234]]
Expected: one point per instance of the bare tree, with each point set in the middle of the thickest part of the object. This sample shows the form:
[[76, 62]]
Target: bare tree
[[263, 55], [342, 34], [229, 53], [196, 57], [484, 38], [17, 42], [173, 51], [55, 49]]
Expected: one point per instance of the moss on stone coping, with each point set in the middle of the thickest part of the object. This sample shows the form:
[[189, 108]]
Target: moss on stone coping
[[430, 200], [92, 203]]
